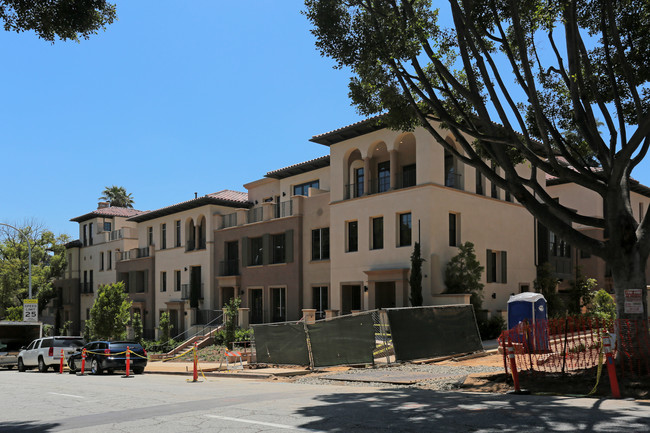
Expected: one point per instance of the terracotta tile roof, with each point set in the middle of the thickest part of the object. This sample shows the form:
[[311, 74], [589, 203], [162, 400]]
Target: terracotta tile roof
[[357, 129], [228, 194], [226, 197], [303, 167], [111, 211]]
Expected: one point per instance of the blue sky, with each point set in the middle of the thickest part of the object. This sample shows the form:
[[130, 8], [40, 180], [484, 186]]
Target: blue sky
[[168, 101]]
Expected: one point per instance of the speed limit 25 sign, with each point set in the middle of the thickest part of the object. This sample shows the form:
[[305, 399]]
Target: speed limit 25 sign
[[30, 310]]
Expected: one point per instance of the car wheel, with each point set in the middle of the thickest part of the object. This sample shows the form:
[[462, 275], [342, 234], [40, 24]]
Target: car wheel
[[138, 370], [41, 365], [110, 371], [21, 366], [95, 368], [72, 367]]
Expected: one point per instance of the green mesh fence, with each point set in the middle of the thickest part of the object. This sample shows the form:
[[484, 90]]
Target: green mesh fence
[[343, 340], [281, 344]]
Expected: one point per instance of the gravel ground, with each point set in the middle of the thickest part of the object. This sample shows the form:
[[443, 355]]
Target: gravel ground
[[447, 376]]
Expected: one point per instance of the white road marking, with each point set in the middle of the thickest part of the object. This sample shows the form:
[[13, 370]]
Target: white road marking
[[66, 395], [267, 424]]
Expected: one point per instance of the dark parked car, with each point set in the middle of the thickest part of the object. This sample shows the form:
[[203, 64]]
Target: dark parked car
[[109, 356]]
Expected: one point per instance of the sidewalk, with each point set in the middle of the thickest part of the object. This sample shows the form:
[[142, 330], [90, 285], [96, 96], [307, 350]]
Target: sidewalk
[[212, 369]]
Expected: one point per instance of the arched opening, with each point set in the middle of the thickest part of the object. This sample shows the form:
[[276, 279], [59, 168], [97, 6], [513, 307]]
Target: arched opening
[[190, 230], [355, 173], [405, 146], [379, 168], [201, 233]]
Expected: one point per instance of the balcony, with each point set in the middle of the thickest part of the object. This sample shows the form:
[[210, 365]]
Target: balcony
[[228, 268], [136, 253], [189, 245], [230, 220], [255, 215], [353, 190], [86, 288], [123, 233], [454, 180], [186, 291]]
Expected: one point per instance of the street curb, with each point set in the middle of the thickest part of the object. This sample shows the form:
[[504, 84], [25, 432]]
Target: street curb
[[212, 374]]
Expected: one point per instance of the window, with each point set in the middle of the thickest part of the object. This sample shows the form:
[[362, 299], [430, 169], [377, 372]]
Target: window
[[408, 175], [585, 255], [383, 175], [278, 304], [90, 234], [405, 229], [480, 183], [303, 188], [163, 236], [353, 236], [497, 267], [177, 281], [278, 243], [454, 238], [358, 182], [320, 244], [177, 238], [101, 261], [319, 301], [256, 252], [163, 281], [90, 281], [85, 286], [107, 226], [85, 234], [558, 247], [149, 235], [452, 177], [110, 260], [377, 238]]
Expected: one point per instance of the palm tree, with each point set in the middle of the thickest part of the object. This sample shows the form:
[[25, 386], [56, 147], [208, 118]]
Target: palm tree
[[117, 196]]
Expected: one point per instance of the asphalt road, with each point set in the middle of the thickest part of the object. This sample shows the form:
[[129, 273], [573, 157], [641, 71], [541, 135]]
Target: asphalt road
[[32, 401]]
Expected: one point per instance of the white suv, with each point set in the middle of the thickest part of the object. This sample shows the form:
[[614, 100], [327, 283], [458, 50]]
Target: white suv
[[46, 352]]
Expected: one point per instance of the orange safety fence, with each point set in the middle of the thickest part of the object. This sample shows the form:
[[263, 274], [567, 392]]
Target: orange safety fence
[[574, 343]]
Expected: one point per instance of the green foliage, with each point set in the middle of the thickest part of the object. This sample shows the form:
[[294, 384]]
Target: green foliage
[[491, 328], [65, 328], [63, 19], [110, 312], [463, 275], [581, 291], [88, 330], [415, 279], [165, 326], [117, 196], [546, 284], [14, 314], [136, 324], [230, 311], [602, 306], [48, 330], [220, 337], [48, 263]]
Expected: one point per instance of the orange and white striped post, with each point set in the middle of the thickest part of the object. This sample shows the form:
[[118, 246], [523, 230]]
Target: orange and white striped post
[[61, 365], [611, 368], [83, 361], [128, 360], [195, 376], [513, 367]]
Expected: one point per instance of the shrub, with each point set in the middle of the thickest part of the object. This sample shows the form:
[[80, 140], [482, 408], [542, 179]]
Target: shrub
[[492, 328]]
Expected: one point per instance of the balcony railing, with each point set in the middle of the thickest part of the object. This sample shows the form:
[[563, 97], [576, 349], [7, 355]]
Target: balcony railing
[[228, 268], [230, 220], [255, 214], [186, 291], [353, 190], [136, 253], [454, 180], [286, 208], [189, 245], [123, 233], [86, 287]]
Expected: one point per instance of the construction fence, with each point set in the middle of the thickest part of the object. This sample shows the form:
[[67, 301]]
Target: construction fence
[[370, 337], [575, 343]]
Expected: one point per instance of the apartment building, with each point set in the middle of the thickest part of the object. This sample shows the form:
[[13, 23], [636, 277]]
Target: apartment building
[[563, 257], [390, 189], [171, 268], [333, 235]]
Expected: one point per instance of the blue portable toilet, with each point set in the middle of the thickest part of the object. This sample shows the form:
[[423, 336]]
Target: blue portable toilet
[[530, 307]]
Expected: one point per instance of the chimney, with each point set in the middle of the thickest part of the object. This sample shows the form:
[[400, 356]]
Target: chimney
[[196, 195], [103, 204]]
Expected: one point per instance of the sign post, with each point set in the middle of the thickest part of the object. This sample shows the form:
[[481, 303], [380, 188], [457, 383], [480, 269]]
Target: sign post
[[30, 310]]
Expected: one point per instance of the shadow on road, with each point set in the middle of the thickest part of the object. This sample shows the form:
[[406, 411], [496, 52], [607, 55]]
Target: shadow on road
[[422, 410]]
